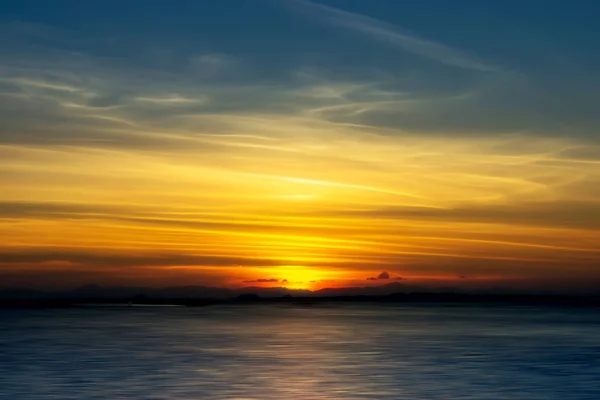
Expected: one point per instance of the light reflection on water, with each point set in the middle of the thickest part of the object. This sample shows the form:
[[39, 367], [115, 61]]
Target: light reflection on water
[[287, 352]]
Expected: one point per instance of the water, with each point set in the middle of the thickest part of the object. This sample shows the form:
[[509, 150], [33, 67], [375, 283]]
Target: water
[[291, 352]]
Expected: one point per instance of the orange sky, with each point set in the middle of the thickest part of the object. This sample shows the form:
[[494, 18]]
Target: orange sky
[[343, 209], [335, 203]]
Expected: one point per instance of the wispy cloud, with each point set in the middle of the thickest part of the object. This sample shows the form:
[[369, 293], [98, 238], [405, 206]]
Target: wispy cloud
[[392, 34]]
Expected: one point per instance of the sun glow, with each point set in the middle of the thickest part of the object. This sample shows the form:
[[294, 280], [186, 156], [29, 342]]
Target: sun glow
[[301, 277]]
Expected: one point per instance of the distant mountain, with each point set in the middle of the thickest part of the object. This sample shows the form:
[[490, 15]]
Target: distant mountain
[[190, 292], [94, 291], [274, 291], [380, 290], [20, 293]]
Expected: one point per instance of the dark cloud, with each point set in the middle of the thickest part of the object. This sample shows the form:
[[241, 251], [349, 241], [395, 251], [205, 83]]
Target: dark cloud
[[21, 209], [108, 260], [263, 280], [560, 213], [382, 276]]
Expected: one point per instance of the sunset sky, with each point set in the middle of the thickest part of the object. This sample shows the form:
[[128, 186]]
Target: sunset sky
[[300, 144]]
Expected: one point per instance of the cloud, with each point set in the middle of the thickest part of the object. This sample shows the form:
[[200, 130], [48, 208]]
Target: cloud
[[557, 213], [211, 65], [23, 209], [391, 34], [81, 100], [263, 280], [113, 258], [382, 276]]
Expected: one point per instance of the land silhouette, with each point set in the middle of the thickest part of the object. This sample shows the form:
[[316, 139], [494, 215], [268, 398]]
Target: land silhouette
[[205, 295]]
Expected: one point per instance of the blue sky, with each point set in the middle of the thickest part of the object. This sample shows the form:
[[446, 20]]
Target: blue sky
[[535, 58]]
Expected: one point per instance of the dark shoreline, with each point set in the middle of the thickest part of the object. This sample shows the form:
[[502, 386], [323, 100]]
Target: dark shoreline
[[252, 299]]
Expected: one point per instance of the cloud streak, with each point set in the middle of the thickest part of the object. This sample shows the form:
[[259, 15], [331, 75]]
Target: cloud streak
[[393, 35]]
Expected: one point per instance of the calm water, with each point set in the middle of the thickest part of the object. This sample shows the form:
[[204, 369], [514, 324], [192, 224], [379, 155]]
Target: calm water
[[287, 352]]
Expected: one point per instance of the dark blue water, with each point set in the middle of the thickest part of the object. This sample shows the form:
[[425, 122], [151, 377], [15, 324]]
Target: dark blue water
[[287, 352]]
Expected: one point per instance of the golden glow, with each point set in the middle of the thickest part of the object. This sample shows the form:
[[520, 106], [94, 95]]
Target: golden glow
[[299, 277], [294, 197]]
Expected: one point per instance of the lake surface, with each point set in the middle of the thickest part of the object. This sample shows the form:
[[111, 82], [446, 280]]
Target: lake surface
[[285, 352]]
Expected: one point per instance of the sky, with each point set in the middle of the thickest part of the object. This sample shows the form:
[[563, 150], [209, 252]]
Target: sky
[[300, 144]]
